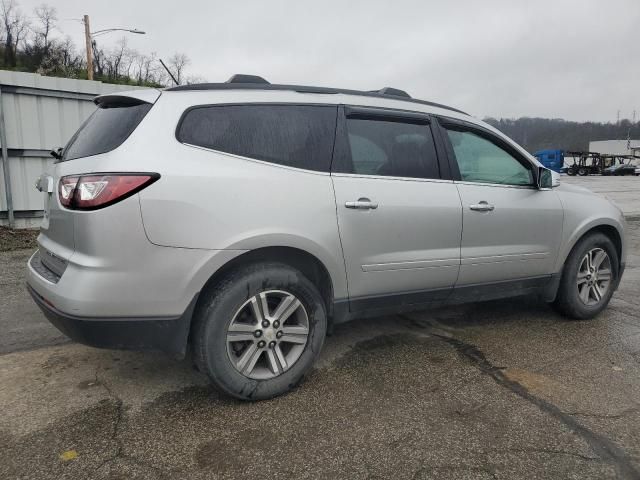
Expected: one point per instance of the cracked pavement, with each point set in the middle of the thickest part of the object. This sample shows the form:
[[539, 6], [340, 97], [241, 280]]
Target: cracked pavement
[[496, 390]]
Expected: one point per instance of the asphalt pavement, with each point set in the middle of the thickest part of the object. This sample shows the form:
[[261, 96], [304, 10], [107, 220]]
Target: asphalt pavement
[[505, 389]]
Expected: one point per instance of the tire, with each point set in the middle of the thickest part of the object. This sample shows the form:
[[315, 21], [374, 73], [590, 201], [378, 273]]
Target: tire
[[568, 300], [232, 303], [583, 171], [571, 171]]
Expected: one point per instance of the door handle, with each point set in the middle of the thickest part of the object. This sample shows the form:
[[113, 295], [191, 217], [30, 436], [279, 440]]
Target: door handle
[[362, 204], [482, 207]]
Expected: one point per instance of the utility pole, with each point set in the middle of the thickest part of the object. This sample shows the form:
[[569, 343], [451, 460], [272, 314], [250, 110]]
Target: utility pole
[[87, 39]]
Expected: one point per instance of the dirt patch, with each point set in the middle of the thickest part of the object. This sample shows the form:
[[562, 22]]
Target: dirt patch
[[533, 382], [17, 239]]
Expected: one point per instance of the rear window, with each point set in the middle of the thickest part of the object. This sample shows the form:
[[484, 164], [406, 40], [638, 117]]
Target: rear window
[[105, 130], [294, 135]]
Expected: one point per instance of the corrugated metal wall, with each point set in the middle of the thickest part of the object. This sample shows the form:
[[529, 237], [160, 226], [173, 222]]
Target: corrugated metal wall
[[40, 113]]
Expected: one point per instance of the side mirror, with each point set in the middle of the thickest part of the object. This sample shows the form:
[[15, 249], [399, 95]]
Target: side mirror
[[545, 178]]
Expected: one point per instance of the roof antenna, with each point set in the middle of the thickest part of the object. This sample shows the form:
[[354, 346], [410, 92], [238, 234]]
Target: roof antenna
[[169, 72]]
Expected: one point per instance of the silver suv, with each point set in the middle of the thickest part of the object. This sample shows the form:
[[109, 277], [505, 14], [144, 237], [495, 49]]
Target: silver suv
[[245, 219]]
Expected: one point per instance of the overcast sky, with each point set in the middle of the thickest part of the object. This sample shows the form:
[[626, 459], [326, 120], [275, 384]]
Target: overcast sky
[[578, 60]]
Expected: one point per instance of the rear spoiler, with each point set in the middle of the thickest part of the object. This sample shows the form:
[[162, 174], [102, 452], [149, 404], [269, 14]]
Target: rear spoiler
[[129, 97]]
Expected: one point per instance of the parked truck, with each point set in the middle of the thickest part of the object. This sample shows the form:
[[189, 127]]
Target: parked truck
[[584, 163]]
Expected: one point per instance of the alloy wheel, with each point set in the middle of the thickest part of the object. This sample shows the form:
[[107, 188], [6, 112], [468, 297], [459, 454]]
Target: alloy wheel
[[267, 334], [594, 276]]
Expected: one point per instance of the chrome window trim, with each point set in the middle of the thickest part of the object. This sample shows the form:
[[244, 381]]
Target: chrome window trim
[[502, 185], [387, 177]]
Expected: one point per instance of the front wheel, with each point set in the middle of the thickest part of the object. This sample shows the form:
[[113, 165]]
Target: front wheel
[[589, 277], [259, 331]]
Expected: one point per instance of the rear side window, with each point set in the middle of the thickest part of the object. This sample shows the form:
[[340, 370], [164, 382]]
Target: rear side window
[[105, 130], [294, 135], [392, 149]]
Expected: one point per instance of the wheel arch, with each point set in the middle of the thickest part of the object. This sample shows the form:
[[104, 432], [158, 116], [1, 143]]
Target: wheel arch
[[607, 228], [310, 265]]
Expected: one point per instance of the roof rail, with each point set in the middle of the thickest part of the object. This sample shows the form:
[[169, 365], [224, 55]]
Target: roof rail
[[396, 92], [243, 78], [253, 82]]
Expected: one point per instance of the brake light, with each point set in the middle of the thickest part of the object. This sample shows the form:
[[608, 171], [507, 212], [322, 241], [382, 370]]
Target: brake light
[[67, 187], [98, 190]]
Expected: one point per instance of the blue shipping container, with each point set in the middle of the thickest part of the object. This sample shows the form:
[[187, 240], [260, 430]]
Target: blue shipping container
[[552, 159]]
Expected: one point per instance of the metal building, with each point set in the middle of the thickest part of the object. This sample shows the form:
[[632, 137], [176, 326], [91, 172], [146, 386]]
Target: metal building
[[37, 114]]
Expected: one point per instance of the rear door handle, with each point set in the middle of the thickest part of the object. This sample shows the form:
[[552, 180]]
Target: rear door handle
[[482, 207], [362, 204]]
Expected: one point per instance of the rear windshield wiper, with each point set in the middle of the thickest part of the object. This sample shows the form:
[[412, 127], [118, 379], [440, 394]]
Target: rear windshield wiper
[[57, 154]]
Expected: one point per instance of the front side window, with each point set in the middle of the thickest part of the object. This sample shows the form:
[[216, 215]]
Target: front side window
[[481, 160], [391, 148], [295, 135]]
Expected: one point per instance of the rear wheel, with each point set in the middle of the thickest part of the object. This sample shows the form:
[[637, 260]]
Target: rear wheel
[[582, 171], [589, 277], [259, 331], [571, 171]]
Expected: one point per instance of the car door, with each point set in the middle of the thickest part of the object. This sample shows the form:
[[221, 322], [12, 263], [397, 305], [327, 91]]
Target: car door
[[511, 229], [399, 213]]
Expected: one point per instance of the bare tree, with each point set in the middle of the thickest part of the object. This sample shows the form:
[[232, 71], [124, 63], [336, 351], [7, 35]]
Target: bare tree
[[177, 64], [150, 68], [143, 67], [137, 62], [70, 59], [47, 17], [15, 27], [36, 48], [99, 59], [63, 59], [21, 27], [7, 15]]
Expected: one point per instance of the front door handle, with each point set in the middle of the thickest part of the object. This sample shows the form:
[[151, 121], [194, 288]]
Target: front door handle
[[482, 207], [362, 204]]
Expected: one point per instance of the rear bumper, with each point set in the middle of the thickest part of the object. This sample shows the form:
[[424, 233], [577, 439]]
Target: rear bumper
[[167, 334]]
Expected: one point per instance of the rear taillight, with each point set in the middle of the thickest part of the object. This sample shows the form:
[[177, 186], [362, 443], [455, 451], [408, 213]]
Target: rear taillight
[[66, 189], [98, 190]]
